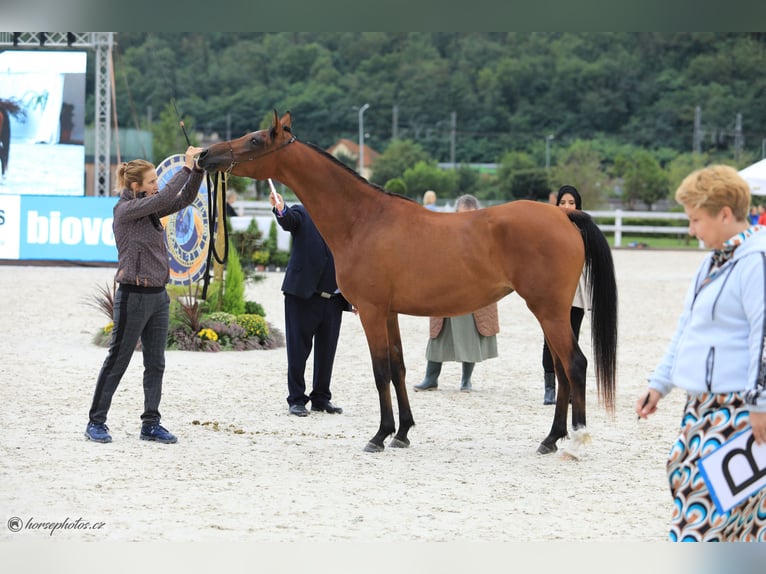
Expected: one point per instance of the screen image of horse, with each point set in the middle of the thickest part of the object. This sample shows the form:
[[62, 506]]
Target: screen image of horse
[[394, 257], [5, 137]]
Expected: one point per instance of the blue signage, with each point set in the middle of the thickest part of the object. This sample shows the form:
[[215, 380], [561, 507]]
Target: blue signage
[[66, 228]]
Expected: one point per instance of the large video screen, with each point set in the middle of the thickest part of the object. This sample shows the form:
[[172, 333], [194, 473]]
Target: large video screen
[[42, 122]]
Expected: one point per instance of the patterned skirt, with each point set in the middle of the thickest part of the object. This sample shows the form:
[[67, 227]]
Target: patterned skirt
[[708, 421]]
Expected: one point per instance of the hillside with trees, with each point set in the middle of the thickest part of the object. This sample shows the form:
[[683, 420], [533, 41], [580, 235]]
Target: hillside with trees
[[613, 113]]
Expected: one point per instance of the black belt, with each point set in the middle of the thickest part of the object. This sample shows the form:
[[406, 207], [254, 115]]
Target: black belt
[[140, 288]]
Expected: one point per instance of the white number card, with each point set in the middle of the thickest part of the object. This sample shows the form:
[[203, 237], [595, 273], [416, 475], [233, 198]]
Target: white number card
[[735, 470]]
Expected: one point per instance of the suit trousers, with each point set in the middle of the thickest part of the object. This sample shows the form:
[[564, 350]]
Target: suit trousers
[[311, 322], [137, 314]]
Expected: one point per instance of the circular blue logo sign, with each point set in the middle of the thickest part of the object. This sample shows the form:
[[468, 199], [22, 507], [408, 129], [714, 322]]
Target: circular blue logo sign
[[187, 232]]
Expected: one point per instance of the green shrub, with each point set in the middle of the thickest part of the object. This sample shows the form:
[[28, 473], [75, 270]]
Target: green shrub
[[396, 185], [280, 258], [270, 244], [234, 289], [253, 308], [254, 326], [261, 257], [246, 242]]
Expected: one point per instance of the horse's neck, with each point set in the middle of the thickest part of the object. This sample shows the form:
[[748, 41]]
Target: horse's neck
[[332, 195]]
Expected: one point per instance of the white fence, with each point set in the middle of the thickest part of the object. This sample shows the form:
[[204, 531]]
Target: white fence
[[619, 227], [261, 211]]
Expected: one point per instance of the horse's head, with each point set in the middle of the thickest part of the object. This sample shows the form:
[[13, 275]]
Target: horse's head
[[250, 155]]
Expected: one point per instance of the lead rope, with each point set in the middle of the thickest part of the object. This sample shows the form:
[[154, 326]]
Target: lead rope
[[212, 252]]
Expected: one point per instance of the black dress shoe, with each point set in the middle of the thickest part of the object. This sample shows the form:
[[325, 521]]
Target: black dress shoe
[[299, 410], [328, 407]]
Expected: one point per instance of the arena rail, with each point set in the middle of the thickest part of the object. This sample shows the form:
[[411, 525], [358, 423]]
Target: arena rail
[[619, 227], [262, 210]]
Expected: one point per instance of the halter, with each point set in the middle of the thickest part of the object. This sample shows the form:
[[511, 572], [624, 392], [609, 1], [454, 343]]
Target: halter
[[233, 163]]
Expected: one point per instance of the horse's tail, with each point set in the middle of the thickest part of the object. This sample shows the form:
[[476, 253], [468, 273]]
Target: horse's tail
[[602, 287]]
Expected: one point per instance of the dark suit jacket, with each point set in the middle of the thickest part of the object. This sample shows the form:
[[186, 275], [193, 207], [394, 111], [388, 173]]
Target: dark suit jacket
[[311, 267]]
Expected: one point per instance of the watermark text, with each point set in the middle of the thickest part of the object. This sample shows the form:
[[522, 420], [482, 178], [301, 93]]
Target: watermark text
[[16, 524]]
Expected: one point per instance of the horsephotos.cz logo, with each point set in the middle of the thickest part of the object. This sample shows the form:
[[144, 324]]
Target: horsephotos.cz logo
[[16, 524]]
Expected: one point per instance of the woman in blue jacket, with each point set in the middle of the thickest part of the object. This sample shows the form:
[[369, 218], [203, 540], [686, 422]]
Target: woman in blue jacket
[[716, 356]]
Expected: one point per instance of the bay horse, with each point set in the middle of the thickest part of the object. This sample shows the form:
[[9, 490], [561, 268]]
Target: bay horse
[[393, 256]]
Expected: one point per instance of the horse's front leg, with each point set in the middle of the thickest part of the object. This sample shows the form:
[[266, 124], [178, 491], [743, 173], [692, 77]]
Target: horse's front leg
[[398, 372], [382, 372], [374, 324]]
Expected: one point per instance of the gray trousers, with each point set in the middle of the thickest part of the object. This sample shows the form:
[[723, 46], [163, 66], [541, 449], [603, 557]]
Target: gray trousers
[[138, 313]]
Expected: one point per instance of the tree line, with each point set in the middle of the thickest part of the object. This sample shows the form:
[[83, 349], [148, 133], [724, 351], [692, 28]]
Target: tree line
[[613, 113]]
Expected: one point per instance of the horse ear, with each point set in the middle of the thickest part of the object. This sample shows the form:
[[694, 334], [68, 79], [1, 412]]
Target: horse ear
[[275, 121], [286, 120]]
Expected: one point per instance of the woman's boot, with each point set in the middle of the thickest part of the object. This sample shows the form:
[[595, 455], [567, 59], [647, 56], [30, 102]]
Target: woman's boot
[[550, 389], [465, 382], [431, 382]]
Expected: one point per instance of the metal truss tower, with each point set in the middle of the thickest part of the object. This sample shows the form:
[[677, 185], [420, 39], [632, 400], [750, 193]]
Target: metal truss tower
[[102, 43]]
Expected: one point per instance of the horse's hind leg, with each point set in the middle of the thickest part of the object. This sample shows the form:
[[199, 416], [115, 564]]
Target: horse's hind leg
[[374, 324], [570, 370], [398, 372]]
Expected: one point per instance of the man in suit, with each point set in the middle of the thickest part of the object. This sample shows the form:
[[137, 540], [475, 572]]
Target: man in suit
[[313, 309]]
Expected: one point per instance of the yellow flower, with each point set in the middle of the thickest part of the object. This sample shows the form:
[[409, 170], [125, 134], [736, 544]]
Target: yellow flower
[[208, 334], [108, 328]]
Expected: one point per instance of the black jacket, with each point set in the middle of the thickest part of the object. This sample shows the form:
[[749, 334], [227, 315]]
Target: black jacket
[[311, 268]]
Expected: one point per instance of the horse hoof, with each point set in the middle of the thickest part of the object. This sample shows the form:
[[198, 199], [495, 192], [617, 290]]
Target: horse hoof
[[545, 449], [372, 447], [569, 455], [398, 443]]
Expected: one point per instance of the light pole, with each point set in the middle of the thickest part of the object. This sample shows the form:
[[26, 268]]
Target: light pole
[[361, 138], [548, 153]]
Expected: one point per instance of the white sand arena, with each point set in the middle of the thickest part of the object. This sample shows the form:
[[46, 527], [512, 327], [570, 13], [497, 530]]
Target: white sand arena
[[243, 469]]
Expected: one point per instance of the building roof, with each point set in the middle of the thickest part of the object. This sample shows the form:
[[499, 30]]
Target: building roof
[[351, 149]]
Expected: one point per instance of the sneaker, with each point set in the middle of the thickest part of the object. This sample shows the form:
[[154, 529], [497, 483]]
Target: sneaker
[[98, 432], [157, 433]]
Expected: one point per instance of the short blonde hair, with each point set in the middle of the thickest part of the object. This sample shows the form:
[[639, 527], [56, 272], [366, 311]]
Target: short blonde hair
[[131, 172], [429, 197], [713, 188]]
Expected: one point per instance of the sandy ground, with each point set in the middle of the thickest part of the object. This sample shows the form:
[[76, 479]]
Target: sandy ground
[[244, 470]]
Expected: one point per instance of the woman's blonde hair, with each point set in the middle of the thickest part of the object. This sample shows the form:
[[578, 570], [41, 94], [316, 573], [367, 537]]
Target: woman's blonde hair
[[132, 172], [713, 188]]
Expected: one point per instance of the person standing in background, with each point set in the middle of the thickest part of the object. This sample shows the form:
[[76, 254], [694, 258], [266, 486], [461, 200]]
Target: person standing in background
[[313, 310], [468, 339], [231, 197], [568, 199], [429, 200]]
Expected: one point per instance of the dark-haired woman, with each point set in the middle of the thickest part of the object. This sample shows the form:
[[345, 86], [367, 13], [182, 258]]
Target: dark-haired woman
[[568, 199]]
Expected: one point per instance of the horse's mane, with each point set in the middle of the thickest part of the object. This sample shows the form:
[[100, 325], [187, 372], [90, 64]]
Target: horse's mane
[[339, 163]]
